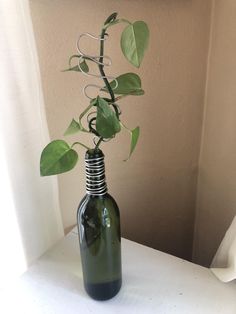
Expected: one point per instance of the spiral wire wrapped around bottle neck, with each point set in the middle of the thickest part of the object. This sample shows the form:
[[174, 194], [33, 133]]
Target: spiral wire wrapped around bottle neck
[[95, 176]]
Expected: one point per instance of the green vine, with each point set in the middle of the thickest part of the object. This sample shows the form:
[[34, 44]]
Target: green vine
[[58, 156]]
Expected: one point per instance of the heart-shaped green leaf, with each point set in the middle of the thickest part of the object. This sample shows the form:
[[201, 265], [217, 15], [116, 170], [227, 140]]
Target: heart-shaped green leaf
[[57, 157], [73, 128], [134, 139], [107, 124], [128, 84], [83, 65], [134, 42]]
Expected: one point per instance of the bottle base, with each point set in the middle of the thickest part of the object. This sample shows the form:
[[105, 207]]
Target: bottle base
[[103, 291]]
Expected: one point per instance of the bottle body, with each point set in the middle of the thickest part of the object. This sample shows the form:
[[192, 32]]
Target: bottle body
[[100, 245], [98, 220]]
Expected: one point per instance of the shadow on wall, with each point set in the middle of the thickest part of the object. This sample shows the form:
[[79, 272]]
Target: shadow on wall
[[143, 218]]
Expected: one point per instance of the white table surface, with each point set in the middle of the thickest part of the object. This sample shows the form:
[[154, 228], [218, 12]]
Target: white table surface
[[153, 282]]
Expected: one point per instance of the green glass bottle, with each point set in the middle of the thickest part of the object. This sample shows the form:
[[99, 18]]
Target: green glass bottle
[[98, 221]]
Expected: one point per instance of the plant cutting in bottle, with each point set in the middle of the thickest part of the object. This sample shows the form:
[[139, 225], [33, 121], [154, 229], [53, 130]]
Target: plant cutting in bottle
[[103, 113], [98, 216]]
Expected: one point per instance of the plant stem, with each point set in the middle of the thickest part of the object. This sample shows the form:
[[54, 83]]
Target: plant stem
[[98, 143], [120, 97], [85, 111], [81, 144], [101, 69], [125, 127]]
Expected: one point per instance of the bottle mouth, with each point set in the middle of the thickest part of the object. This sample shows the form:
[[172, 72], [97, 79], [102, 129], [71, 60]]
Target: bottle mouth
[[95, 173], [93, 153]]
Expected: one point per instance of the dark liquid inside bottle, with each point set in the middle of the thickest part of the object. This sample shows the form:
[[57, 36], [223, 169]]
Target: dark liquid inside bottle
[[99, 234], [103, 291]]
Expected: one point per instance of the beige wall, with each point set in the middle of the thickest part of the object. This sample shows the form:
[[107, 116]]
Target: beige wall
[[216, 199], [156, 189]]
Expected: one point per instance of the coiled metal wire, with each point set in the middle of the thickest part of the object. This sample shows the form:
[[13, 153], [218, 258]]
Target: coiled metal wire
[[95, 59], [95, 176]]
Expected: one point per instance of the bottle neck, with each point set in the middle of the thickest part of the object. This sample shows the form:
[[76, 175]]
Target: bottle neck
[[95, 176]]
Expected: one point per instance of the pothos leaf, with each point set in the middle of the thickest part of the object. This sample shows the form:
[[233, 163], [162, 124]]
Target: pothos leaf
[[128, 84], [57, 157], [73, 128], [76, 68], [134, 42], [107, 124], [134, 139]]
